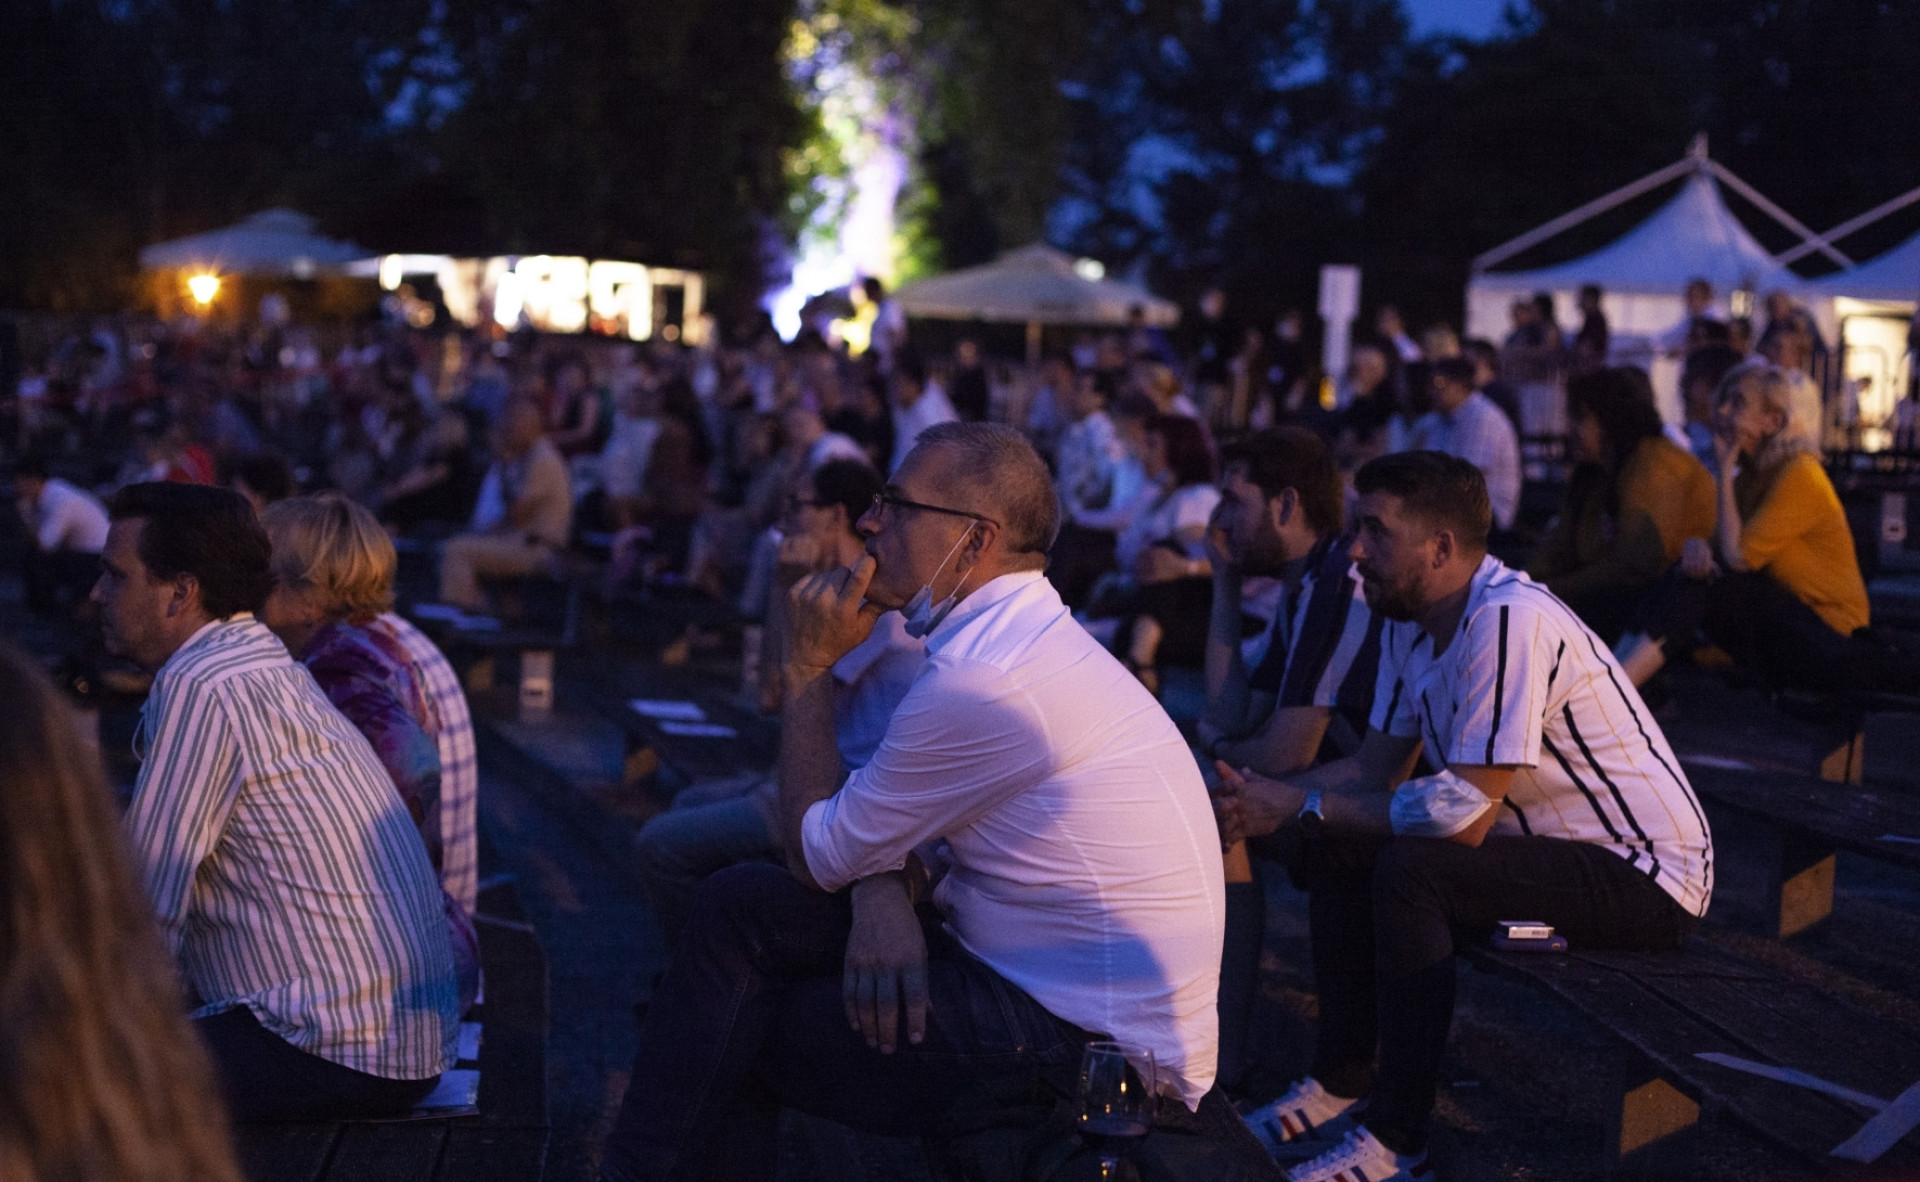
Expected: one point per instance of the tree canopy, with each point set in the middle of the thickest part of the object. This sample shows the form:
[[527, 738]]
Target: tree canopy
[[1242, 142]]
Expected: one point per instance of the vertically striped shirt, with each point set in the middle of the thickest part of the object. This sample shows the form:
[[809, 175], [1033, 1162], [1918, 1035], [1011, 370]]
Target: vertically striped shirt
[[287, 875], [1525, 683], [1325, 646], [459, 768]]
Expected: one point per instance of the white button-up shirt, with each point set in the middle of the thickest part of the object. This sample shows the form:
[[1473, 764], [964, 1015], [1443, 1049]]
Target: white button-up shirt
[[1085, 865]]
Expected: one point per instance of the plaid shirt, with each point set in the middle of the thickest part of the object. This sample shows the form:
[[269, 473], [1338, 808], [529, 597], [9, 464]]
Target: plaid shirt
[[459, 766]]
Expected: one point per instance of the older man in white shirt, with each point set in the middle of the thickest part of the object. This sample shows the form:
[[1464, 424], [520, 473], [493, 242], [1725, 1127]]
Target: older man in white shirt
[[1082, 893]]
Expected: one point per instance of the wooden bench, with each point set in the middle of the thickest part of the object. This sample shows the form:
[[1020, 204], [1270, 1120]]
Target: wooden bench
[[505, 1141], [1665, 1010], [546, 620], [652, 746], [1814, 819]]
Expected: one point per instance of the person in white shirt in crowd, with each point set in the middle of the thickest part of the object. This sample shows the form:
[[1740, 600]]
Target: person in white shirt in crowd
[[1090, 453], [1164, 578], [518, 527], [1093, 522], [1081, 892], [807, 436], [67, 527], [1556, 799], [1466, 423], [1393, 330], [1698, 297], [714, 825], [916, 406], [1050, 410], [287, 876]]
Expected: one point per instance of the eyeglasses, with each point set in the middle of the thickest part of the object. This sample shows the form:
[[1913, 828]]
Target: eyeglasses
[[883, 500]]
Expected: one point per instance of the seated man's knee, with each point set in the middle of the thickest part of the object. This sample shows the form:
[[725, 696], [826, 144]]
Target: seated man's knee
[[746, 892], [1413, 867], [657, 848]]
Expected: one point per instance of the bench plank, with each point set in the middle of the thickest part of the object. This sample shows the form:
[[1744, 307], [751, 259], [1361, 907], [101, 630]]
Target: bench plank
[[1850, 816], [1668, 1008], [406, 1151], [477, 1153], [284, 1153], [1795, 1025]]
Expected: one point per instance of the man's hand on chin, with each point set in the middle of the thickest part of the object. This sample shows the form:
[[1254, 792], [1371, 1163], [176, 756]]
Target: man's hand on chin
[[828, 617]]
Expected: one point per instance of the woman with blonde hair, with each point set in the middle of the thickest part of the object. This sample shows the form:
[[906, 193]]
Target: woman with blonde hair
[[101, 1078], [333, 568], [1778, 587]]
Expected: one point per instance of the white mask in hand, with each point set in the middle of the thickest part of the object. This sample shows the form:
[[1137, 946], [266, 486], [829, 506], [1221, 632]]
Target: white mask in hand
[[1439, 805], [922, 615]]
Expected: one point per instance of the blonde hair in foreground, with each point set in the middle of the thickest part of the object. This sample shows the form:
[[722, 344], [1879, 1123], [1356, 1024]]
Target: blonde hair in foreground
[[101, 1079], [334, 549]]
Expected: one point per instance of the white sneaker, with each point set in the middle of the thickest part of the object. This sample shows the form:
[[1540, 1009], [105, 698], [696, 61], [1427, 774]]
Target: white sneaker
[[1306, 1117], [1361, 1158]]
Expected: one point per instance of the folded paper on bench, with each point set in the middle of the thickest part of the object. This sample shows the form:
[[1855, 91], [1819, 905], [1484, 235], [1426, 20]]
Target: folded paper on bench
[[665, 710], [699, 730]]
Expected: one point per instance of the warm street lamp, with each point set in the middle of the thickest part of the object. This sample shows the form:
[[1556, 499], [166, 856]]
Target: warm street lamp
[[203, 288]]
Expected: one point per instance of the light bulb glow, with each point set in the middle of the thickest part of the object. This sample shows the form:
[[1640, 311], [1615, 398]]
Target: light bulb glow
[[203, 288]]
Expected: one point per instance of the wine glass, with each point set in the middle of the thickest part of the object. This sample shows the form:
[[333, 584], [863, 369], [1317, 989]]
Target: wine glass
[[1116, 1099]]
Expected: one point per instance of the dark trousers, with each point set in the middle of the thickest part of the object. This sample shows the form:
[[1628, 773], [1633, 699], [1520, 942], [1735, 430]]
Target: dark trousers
[[1181, 607], [749, 1018], [1764, 626], [1384, 920], [267, 1079]]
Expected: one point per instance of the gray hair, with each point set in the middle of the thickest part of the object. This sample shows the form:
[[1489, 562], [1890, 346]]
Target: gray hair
[[997, 465]]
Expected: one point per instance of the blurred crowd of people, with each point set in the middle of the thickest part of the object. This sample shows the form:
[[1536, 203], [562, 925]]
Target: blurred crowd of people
[[226, 499], [680, 463]]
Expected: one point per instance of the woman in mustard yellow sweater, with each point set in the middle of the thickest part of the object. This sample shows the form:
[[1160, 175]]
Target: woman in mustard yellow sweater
[[1779, 588], [1634, 499]]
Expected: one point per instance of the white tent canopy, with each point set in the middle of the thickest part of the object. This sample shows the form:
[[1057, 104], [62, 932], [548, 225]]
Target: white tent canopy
[[1032, 285], [1694, 234], [1893, 276], [1644, 272], [277, 242]]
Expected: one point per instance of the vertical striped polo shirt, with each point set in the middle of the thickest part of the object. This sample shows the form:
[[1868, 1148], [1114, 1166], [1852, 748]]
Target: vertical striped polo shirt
[[287, 875], [1526, 684], [1325, 646]]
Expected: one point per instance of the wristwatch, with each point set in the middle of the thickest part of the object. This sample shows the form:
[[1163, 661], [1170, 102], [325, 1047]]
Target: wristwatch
[[1311, 807]]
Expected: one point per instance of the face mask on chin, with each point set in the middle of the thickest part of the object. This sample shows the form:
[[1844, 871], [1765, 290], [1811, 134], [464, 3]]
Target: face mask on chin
[[921, 613]]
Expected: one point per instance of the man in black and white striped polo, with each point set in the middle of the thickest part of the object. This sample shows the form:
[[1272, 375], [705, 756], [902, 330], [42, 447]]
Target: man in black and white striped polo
[[1557, 799]]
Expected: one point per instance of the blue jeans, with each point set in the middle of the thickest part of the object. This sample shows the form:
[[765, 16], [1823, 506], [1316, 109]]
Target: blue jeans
[[749, 1019], [678, 849]]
